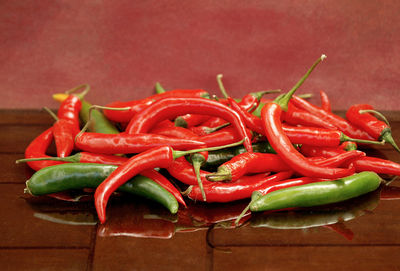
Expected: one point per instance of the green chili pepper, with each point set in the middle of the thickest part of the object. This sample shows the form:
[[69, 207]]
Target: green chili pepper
[[99, 123], [320, 193], [86, 175]]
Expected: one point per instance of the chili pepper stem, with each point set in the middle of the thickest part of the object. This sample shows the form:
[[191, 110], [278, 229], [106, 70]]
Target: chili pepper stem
[[73, 159], [81, 95], [284, 99], [259, 94], [159, 88], [221, 86], [344, 138], [255, 196], [52, 114], [187, 191], [177, 154], [379, 114], [387, 136], [197, 161], [221, 175], [97, 107]]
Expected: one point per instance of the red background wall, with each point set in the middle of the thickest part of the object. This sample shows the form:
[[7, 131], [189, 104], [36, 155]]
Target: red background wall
[[121, 48]]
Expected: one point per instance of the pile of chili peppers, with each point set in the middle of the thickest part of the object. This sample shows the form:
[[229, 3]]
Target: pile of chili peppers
[[182, 145]]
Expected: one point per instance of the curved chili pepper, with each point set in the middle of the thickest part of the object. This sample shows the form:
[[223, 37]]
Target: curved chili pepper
[[159, 157], [325, 102], [271, 116], [37, 148], [239, 189], [169, 108], [139, 105], [250, 101], [379, 130], [130, 143], [340, 123]]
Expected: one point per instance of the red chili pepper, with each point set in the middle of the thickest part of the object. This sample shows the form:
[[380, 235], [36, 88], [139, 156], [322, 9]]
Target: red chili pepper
[[343, 125], [159, 157], [170, 108], [297, 116], [64, 134], [203, 130], [359, 115], [139, 105], [325, 102], [224, 136], [69, 110], [130, 143], [239, 189], [175, 132], [251, 100], [271, 116], [37, 148]]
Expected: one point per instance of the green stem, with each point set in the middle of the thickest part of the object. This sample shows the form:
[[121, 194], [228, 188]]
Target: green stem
[[73, 159], [344, 138], [159, 88], [221, 86], [48, 110], [259, 94], [81, 95], [198, 160], [255, 196], [98, 107], [178, 154], [284, 100], [379, 114]]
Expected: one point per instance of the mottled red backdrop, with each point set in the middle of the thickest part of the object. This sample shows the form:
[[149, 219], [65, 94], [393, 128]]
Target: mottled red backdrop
[[121, 48]]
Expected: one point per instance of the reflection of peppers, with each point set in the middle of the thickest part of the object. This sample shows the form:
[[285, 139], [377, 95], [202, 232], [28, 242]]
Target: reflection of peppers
[[78, 176], [319, 216], [359, 115], [172, 107], [318, 193]]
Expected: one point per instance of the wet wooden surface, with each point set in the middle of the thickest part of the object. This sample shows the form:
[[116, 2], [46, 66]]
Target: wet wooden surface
[[43, 233]]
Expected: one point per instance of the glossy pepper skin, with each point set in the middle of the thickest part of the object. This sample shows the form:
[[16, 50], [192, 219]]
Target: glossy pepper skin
[[240, 189], [183, 171], [139, 105], [319, 193], [170, 108], [37, 148], [271, 114], [130, 143], [160, 157], [325, 102], [342, 124], [379, 130], [78, 176]]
